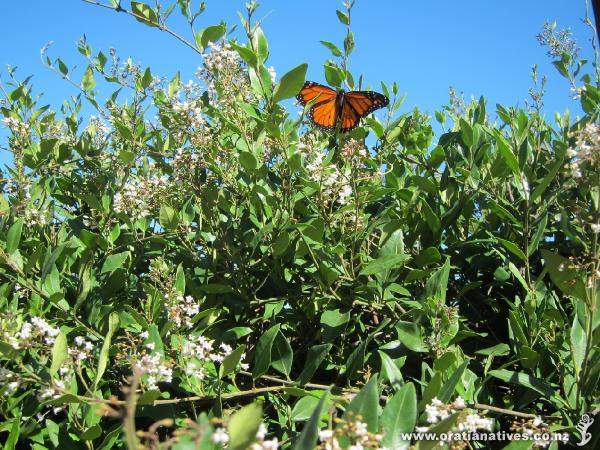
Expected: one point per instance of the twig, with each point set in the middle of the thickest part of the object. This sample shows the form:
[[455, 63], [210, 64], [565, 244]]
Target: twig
[[226, 396], [144, 19]]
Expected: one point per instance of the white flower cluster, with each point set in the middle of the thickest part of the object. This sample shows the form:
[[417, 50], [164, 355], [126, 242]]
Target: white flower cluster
[[225, 76], [437, 411], [82, 350], [203, 349], [33, 331], [586, 150], [262, 443], [33, 216], [52, 391], [156, 369], [221, 58], [19, 128], [58, 130], [356, 431], [474, 422], [354, 152], [190, 110], [220, 436], [184, 309], [139, 196], [8, 381], [19, 291], [332, 183]]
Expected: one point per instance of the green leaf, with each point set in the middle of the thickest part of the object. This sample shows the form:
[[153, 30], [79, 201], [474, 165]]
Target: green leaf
[[316, 354], [179, 285], [144, 13], [53, 431], [448, 388], [506, 152], [248, 161], [168, 217], [563, 275], [247, 55], [333, 74], [290, 84], [343, 17], [333, 324], [262, 354], [230, 363], [466, 132], [113, 325], [89, 82], [282, 354], [262, 46], [334, 50], [399, 416], [114, 262], [59, 352], [310, 432], [366, 405], [144, 81], [390, 370], [578, 339], [13, 237], [243, 426], [538, 235], [513, 248], [543, 184], [13, 437], [281, 244], [210, 34], [303, 408], [523, 379], [93, 432], [409, 334], [437, 285], [384, 263]]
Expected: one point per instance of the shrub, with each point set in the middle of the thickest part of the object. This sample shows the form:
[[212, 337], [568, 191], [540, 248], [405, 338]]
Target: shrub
[[195, 266]]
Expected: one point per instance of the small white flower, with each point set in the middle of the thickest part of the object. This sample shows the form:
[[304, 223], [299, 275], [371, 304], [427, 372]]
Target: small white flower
[[325, 434], [459, 403], [220, 436], [360, 428], [272, 73], [261, 432]]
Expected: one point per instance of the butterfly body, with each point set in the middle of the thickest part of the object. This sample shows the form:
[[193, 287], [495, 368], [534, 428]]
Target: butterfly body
[[332, 108]]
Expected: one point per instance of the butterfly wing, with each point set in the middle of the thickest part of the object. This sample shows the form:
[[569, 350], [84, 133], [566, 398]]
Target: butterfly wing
[[323, 113], [349, 118], [311, 91], [358, 104]]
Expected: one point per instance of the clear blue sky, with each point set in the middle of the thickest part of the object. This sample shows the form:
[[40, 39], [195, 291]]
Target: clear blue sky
[[480, 47]]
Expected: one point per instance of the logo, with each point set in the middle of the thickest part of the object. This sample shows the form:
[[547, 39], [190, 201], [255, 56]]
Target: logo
[[584, 423]]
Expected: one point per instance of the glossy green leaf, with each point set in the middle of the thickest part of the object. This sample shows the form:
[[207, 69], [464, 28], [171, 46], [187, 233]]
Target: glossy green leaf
[[290, 84]]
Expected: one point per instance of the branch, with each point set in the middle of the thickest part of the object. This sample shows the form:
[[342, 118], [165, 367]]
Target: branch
[[118, 8]]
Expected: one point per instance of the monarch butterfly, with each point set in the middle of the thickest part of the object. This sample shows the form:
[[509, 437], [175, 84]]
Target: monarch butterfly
[[331, 106]]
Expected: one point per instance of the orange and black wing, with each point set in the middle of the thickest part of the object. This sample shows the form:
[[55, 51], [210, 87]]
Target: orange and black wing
[[358, 104], [323, 113], [314, 91]]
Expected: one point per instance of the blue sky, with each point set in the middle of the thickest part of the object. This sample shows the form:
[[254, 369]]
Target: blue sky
[[479, 47]]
